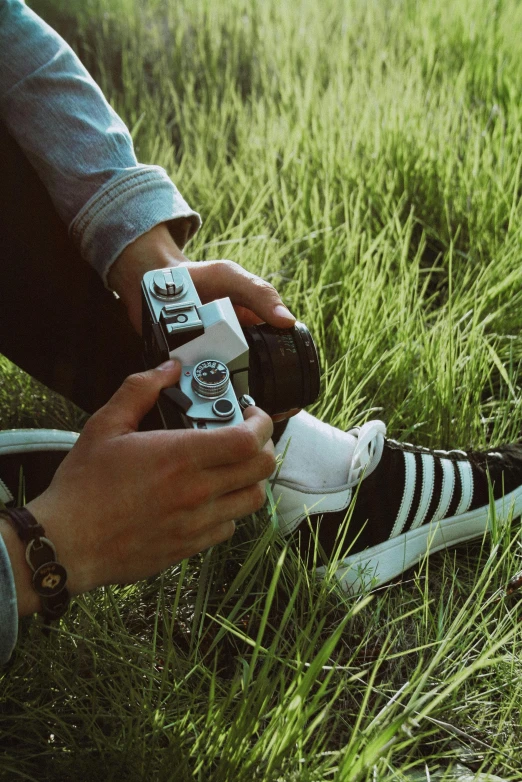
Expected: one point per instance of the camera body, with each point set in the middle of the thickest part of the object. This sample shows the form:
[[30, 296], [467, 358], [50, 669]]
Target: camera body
[[208, 342], [222, 363]]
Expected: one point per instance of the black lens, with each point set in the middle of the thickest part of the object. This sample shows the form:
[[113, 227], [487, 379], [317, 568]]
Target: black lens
[[283, 367]]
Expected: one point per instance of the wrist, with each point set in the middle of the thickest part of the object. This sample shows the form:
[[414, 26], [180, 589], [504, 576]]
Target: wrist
[[28, 601], [155, 249], [68, 551], [48, 576]]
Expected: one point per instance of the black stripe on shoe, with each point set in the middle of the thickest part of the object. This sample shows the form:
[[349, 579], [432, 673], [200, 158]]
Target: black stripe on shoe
[[416, 492], [437, 487], [457, 492]]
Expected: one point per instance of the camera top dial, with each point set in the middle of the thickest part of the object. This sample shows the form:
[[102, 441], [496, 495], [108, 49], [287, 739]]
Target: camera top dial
[[210, 378], [167, 284]]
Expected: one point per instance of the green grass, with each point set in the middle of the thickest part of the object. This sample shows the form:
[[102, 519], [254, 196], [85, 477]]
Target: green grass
[[365, 157]]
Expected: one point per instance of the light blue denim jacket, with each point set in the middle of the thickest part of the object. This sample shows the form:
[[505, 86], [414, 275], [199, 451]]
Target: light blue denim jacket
[[83, 153]]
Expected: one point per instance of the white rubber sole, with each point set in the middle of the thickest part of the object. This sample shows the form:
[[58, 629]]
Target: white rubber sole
[[27, 440], [376, 565], [14, 441]]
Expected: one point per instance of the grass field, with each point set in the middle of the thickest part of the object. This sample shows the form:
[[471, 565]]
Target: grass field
[[366, 158]]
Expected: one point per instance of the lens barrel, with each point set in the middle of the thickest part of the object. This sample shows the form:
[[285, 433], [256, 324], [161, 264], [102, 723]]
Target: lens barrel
[[284, 371]]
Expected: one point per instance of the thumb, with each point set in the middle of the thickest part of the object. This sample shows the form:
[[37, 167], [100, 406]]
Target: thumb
[[134, 398]]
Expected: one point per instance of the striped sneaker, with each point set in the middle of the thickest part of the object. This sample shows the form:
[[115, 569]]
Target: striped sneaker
[[405, 501]]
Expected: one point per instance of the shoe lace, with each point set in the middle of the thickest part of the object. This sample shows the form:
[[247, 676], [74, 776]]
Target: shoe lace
[[368, 451]]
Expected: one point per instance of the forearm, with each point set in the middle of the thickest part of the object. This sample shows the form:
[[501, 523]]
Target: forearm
[[27, 601], [80, 148], [8, 595]]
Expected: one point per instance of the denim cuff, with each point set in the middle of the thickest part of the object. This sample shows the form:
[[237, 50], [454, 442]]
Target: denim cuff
[[127, 207], [8, 606]]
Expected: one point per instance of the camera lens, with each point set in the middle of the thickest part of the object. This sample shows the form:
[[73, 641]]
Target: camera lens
[[284, 367]]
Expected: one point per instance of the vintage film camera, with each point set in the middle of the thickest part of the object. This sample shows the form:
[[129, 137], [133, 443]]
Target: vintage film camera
[[224, 367]]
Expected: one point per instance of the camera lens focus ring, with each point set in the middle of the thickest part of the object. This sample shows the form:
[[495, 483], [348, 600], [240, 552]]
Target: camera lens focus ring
[[284, 371]]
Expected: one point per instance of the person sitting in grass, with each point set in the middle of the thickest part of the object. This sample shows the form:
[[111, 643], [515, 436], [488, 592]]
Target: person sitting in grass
[[81, 220]]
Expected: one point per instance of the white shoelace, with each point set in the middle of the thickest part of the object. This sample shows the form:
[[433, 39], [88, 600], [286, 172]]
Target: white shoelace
[[368, 451]]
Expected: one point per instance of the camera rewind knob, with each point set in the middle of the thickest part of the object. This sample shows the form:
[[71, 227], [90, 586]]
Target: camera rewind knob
[[167, 282]]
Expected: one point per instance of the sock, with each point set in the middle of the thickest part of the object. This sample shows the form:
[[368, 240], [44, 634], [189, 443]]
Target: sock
[[318, 455]]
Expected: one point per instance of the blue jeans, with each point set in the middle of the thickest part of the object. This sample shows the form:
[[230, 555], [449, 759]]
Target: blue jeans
[[57, 320]]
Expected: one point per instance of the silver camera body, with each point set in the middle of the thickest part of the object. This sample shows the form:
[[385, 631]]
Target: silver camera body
[[207, 340]]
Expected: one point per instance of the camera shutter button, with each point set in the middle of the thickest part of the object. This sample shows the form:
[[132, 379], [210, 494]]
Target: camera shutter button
[[246, 401], [223, 408]]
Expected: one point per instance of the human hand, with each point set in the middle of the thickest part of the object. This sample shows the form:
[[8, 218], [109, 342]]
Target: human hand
[[124, 504], [254, 299]]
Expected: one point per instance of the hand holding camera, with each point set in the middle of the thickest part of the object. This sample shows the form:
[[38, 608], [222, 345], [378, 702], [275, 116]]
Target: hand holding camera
[[254, 299], [125, 504]]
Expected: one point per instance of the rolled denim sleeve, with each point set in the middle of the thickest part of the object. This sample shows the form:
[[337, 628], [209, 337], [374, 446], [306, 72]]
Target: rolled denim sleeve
[[8, 606], [79, 146]]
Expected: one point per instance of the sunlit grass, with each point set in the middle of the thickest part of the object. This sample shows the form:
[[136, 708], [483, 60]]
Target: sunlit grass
[[365, 157]]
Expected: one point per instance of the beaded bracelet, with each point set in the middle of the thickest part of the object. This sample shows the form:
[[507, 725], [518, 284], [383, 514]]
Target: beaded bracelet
[[49, 577]]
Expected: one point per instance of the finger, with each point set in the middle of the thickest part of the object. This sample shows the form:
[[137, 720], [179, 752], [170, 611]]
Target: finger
[[232, 477], [240, 503], [134, 398], [174, 549], [215, 534], [243, 288], [213, 522], [233, 505], [246, 317], [197, 496], [283, 416], [212, 448]]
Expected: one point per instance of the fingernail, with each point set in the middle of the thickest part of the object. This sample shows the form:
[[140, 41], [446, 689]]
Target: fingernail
[[282, 312], [168, 366]]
